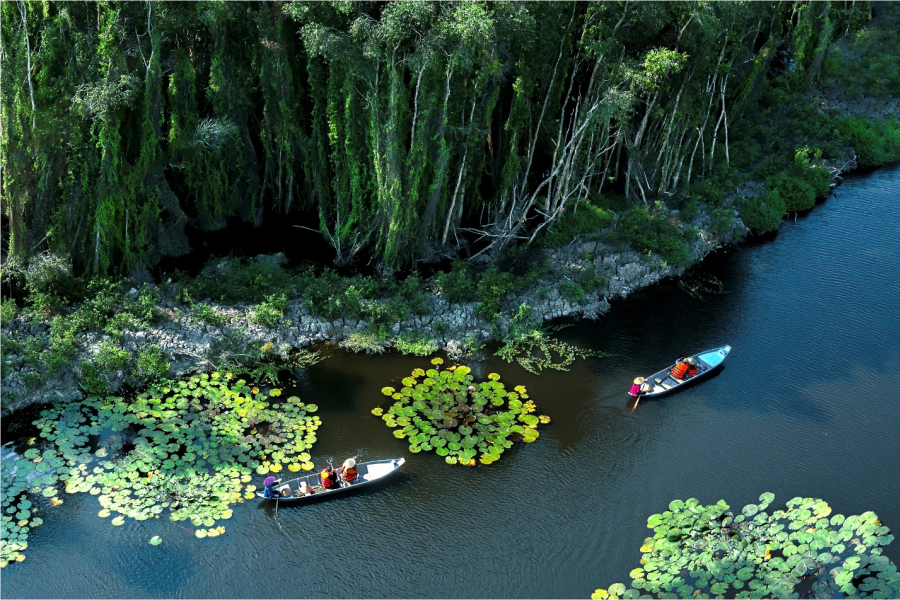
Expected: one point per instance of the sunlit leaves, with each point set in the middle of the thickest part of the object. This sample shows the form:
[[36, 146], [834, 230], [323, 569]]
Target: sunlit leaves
[[463, 422], [698, 551]]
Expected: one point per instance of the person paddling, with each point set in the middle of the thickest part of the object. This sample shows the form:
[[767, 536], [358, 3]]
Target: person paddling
[[692, 366], [269, 490]]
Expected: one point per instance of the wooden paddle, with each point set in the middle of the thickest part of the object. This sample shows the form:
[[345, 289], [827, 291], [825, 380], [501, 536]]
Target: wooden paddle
[[636, 402]]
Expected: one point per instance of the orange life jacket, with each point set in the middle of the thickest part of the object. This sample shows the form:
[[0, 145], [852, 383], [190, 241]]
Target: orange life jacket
[[348, 474], [679, 370], [328, 479]]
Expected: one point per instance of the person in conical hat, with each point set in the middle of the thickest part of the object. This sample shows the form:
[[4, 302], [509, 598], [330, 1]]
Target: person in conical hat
[[636, 386]]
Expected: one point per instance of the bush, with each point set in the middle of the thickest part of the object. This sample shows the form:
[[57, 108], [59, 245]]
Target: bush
[[322, 292], [876, 142], [373, 341], [50, 282], [802, 182], [457, 286], [240, 281], [151, 364], [492, 290], [583, 218], [652, 230], [63, 345], [763, 214], [571, 291], [269, 312], [414, 342], [111, 358], [207, 314], [8, 311]]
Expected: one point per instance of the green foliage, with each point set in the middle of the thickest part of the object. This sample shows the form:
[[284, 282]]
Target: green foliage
[[199, 440], [50, 282], [876, 142], [111, 358], [240, 281], [268, 313], [802, 183], [865, 63], [457, 285], [652, 230], [583, 218], [571, 291], [763, 214], [699, 550], [415, 342], [8, 311], [207, 314], [151, 364], [492, 289], [446, 411], [373, 341]]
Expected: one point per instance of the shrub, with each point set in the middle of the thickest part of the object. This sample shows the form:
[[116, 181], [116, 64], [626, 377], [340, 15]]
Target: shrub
[[322, 292], [241, 280], [440, 328], [651, 230], [63, 345], [207, 314], [373, 341], [583, 218], [269, 312], [492, 290], [411, 294], [151, 364], [111, 358], [876, 142], [50, 282], [91, 380], [457, 286], [8, 310], [763, 214], [571, 291], [414, 342]]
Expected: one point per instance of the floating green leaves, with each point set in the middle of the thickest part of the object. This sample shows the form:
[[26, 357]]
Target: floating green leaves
[[445, 411], [702, 551], [183, 449]]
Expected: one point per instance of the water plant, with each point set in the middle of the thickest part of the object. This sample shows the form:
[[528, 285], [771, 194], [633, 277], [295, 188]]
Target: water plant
[[446, 411], [708, 551], [187, 449]]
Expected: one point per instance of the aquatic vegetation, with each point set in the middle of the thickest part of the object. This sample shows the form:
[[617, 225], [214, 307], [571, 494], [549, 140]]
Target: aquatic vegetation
[[708, 551], [185, 449], [446, 411]]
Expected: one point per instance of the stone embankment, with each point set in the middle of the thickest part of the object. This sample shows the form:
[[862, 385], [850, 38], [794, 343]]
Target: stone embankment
[[190, 345]]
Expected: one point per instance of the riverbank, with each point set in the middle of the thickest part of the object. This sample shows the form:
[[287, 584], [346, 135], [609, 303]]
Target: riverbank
[[578, 280]]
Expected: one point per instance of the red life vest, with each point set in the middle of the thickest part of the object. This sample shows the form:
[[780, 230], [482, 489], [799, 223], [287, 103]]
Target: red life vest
[[348, 475], [692, 370], [679, 370], [328, 479]]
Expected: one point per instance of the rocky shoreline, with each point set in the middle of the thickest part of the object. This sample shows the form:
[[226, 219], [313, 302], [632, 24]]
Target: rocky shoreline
[[188, 343]]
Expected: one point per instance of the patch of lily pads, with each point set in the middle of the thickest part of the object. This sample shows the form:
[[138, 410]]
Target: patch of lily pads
[[18, 480], [187, 450], [803, 550], [447, 412]]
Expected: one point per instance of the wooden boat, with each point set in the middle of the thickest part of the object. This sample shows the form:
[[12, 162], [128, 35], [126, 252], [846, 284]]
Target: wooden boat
[[368, 472], [707, 362]]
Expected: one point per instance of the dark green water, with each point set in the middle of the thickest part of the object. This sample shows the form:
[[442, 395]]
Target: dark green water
[[806, 405]]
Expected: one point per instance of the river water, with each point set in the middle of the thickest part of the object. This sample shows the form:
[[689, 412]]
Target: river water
[[806, 405]]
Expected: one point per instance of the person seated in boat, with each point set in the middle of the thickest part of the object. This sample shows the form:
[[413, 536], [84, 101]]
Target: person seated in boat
[[680, 368], [269, 487], [304, 490], [328, 477], [693, 369], [348, 471]]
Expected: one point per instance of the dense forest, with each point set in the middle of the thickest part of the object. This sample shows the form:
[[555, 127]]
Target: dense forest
[[403, 132]]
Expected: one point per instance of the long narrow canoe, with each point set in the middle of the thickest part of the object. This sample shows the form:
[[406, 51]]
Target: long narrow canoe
[[368, 472], [707, 362]]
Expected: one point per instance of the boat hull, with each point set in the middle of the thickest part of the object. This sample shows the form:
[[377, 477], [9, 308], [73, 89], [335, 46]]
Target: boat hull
[[663, 382], [368, 473]]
